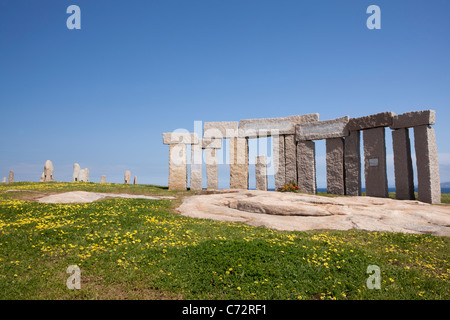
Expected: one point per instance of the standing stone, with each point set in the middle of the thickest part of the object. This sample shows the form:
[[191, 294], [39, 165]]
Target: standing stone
[[177, 167], [103, 179], [48, 171], [4, 180], [352, 164], [279, 161], [238, 163], [83, 176], [429, 189], [335, 166], [42, 177], [306, 165], [404, 179], [290, 150], [375, 162], [76, 172], [127, 177], [212, 170], [196, 167], [261, 172], [135, 180]]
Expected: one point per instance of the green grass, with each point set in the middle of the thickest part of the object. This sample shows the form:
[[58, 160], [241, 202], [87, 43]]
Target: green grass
[[141, 249]]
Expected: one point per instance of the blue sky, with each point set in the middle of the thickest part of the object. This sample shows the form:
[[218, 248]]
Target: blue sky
[[102, 96]]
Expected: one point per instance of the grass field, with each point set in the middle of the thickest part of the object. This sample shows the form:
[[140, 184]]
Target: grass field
[[142, 249]]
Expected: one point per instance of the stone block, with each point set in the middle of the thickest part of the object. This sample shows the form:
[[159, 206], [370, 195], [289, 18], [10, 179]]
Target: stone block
[[196, 167], [103, 179], [4, 180], [135, 180], [127, 177], [83, 175], [404, 179], [414, 119], [238, 163], [254, 128], [429, 189], [279, 161], [383, 119], [352, 163], [306, 166], [221, 129], [76, 172], [11, 177], [261, 172], [375, 162], [178, 167], [211, 143], [327, 129], [212, 169], [290, 156], [335, 166], [180, 138], [48, 171]]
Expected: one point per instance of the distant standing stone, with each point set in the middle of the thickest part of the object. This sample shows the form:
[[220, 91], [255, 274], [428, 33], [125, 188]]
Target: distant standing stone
[[135, 180], [127, 177], [84, 175], [42, 178], [11, 177], [261, 172], [76, 172], [4, 180], [48, 171], [103, 179]]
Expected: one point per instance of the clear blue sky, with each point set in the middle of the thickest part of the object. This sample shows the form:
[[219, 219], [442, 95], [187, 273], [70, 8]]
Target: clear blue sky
[[102, 96]]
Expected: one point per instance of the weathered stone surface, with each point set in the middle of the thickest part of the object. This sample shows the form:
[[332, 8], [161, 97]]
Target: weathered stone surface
[[135, 180], [429, 189], [83, 175], [375, 171], [261, 172], [279, 161], [212, 169], [211, 143], [383, 119], [335, 166], [178, 167], [127, 177], [306, 166], [221, 129], [48, 171], [290, 156], [238, 163], [180, 138], [86, 197], [327, 129], [254, 128], [299, 211], [404, 180], [196, 167], [11, 177], [4, 180], [103, 179], [414, 119], [76, 172], [352, 162]]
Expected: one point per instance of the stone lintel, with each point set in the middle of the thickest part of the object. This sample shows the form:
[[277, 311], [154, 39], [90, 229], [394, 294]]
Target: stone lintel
[[221, 129], [336, 128], [383, 119], [414, 119], [180, 138]]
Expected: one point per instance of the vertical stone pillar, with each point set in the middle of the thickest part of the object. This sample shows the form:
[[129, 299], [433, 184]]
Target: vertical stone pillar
[[4, 180], [212, 169], [375, 162], [11, 177], [103, 179], [196, 167], [135, 180], [404, 179], [261, 172], [429, 189], [177, 167], [279, 161], [238, 163], [127, 178], [335, 166], [352, 163], [76, 172], [48, 171], [306, 166], [290, 150]]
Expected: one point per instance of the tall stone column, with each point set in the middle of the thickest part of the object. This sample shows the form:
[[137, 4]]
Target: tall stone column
[[306, 166], [196, 167], [76, 172], [352, 162], [404, 179], [279, 161], [261, 172], [11, 177], [335, 166], [429, 188], [212, 169], [48, 171], [375, 162], [290, 156], [238, 163]]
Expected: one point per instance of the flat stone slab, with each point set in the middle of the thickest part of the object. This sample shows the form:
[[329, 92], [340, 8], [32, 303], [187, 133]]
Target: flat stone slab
[[84, 196], [211, 143], [382, 119], [297, 211], [254, 128], [336, 128], [180, 138], [221, 129], [414, 119]]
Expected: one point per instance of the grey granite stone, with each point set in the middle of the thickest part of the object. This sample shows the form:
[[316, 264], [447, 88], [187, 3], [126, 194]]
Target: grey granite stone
[[382, 119], [352, 163], [335, 166], [414, 119], [306, 166], [404, 180], [327, 129], [375, 162]]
